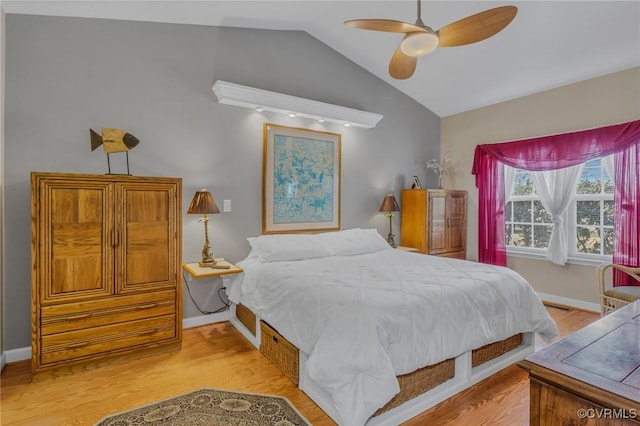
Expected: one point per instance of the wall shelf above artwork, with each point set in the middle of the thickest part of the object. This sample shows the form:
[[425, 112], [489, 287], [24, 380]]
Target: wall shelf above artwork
[[264, 100]]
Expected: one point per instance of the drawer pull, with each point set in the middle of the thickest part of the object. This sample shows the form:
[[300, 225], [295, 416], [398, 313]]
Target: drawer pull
[[77, 345], [148, 332], [77, 317], [275, 339], [147, 306]]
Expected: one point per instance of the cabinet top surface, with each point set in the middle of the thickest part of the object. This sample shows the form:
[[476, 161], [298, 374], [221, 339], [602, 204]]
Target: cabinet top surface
[[605, 354], [198, 271], [89, 176]]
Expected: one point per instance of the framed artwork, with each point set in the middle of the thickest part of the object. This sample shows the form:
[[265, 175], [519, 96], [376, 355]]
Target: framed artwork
[[300, 180]]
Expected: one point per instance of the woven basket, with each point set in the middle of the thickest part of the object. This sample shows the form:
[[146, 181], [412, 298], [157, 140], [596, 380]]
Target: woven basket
[[246, 317], [420, 381], [493, 350], [280, 351]]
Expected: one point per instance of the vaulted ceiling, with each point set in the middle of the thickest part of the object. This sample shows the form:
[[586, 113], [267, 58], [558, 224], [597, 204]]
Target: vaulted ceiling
[[548, 44]]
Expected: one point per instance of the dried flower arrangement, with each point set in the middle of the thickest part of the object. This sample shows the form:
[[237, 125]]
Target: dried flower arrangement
[[440, 167]]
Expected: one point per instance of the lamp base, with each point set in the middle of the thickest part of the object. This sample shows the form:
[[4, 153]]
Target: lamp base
[[391, 240], [207, 264]]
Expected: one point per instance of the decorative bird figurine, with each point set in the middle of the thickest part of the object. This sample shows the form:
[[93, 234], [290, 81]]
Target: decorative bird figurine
[[113, 140]]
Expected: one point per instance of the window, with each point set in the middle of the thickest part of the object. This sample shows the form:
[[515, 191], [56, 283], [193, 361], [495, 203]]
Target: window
[[593, 211], [590, 216]]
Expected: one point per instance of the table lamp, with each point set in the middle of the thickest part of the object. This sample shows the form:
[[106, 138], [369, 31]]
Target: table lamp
[[390, 205], [204, 204]]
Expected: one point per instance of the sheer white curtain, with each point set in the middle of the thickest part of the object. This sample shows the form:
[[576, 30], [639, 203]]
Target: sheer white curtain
[[509, 182], [556, 189], [609, 165]]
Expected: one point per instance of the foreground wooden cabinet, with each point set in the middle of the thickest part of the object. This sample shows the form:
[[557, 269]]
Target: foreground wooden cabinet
[[591, 377], [435, 221], [106, 257]]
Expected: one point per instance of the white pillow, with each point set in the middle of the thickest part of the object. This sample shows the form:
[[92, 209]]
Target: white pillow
[[355, 241], [283, 247]]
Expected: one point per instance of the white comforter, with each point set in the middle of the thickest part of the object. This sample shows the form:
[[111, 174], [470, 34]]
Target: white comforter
[[365, 319]]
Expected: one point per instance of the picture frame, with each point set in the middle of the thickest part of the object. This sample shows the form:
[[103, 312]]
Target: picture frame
[[301, 180], [416, 183]]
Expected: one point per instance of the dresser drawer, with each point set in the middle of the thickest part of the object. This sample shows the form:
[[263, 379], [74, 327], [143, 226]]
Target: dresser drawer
[[106, 339], [77, 316]]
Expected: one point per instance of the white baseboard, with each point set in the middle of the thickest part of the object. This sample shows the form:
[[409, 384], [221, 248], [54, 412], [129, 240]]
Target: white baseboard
[[205, 319], [21, 354], [574, 303]]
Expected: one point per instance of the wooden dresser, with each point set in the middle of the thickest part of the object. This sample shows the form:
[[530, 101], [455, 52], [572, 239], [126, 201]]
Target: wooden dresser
[[106, 261], [591, 377], [434, 221]]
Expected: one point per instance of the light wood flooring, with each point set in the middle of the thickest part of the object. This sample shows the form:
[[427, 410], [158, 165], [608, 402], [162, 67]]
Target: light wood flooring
[[217, 356]]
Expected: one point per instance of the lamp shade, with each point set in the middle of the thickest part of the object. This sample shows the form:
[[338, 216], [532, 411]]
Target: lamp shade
[[203, 203], [389, 204]]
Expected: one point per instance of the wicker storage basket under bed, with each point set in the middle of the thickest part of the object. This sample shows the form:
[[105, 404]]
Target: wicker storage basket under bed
[[280, 351], [420, 381], [493, 350], [246, 317]]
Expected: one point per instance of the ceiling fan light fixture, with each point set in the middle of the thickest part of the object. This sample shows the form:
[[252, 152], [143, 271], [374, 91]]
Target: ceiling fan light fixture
[[419, 43]]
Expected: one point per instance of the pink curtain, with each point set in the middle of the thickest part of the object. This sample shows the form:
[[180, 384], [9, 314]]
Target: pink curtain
[[556, 152], [626, 249], [492, 248]]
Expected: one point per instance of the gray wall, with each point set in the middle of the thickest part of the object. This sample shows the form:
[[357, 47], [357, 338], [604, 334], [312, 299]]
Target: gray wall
[[66, 75]]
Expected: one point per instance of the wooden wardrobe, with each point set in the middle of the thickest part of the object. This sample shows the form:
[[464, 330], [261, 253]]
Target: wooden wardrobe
[[106, 262], [435, 221]]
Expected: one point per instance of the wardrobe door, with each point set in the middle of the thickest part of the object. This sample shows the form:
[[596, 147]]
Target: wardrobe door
[[147, 236], [74, 246]]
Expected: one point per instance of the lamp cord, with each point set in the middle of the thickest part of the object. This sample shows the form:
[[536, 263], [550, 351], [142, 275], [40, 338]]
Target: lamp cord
[[203, 312]]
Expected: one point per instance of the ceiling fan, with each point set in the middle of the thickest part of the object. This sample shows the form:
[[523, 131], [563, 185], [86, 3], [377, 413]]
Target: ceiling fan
[[420, 39]]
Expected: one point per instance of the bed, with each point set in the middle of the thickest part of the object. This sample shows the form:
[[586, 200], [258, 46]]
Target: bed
[[376, 335]]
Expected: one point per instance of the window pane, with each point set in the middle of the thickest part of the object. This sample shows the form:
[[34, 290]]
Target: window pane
[[522, 211], [540, 215], [591, 179], [588, 239], [608, 212], [508, 238], [589, 182], [541, 236], [607, 241], [523, 183], [508, 211], [608, 182], [593, 163], [588, 212], [522, 235]]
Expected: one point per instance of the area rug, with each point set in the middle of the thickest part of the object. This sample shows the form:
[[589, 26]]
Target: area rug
[[212, 407]]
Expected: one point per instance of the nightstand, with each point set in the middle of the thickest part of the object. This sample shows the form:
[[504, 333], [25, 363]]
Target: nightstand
[[197, 271]]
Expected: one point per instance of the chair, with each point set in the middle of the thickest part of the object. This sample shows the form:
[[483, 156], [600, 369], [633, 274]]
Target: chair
[[612, 298]]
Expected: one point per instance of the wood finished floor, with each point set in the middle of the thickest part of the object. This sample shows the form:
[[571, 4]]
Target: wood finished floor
[[217, 356]]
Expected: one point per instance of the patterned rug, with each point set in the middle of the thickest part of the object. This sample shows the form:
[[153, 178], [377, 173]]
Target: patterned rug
[[212, 407]]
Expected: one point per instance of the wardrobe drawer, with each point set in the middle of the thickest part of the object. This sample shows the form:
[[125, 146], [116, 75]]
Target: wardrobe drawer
[[77, 316], [97, 340]]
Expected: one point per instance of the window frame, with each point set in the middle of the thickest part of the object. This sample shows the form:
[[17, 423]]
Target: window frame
[[570, 216]]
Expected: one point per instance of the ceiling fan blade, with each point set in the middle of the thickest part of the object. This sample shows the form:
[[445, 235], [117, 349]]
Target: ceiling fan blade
[[387, 25], [402, 66], [476, 27]]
